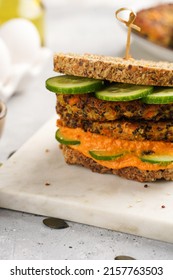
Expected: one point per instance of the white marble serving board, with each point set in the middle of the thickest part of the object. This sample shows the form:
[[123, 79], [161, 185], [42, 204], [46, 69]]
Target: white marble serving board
[[77, 194]]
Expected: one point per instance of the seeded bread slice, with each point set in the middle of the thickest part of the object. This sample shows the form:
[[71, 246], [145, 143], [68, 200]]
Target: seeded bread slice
[[115, 69], [72, 156]]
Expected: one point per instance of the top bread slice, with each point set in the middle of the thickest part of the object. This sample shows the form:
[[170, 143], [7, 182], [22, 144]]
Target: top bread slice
[[115, 69]]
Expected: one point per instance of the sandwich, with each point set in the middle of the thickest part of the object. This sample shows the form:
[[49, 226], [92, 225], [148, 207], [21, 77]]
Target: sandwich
[[115, 115]]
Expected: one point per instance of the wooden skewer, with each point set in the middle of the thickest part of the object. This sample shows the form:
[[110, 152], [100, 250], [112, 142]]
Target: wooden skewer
[[130, 25]]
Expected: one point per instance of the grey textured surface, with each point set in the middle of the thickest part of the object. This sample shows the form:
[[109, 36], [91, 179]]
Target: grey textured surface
[[24, 236]]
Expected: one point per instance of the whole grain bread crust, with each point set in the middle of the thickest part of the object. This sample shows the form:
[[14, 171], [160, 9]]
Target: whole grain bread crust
[[72, 156], [115, 69]]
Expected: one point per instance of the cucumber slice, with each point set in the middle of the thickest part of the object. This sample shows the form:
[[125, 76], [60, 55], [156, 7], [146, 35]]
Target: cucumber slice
[[159, 159], [104, 155], [123, 92], [66, 141], [161, 95], [73, 85]]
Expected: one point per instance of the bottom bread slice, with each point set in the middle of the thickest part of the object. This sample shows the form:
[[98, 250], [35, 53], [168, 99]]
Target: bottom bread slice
[[72, 156]]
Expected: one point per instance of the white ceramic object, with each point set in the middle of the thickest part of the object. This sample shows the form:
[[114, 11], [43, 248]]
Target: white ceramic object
[[162, 53], [3, 112], [21, 55], [37, 180], [5, 62], [22, 39]]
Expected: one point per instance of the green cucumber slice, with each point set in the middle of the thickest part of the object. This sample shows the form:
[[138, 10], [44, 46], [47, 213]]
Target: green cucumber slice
[[161, 95], [73, 85], [66, 141], [123, 92], [159, 159], [104, 155]]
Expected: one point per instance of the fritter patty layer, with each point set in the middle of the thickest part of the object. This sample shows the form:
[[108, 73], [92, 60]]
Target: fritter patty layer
[[143, 130], [87, 107]]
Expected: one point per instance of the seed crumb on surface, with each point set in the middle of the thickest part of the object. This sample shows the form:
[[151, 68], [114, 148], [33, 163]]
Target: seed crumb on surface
[[130, 206], [163, 206], [47, 184]]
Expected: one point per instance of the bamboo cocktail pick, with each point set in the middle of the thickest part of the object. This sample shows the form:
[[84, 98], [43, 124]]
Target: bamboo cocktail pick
[[130, 25]]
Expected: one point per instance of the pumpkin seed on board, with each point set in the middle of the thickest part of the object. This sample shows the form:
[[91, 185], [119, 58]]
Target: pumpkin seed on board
[[122, 257], [55, 223]]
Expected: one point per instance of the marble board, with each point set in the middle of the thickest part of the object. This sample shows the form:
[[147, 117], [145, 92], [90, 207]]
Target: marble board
[[37, 180]]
